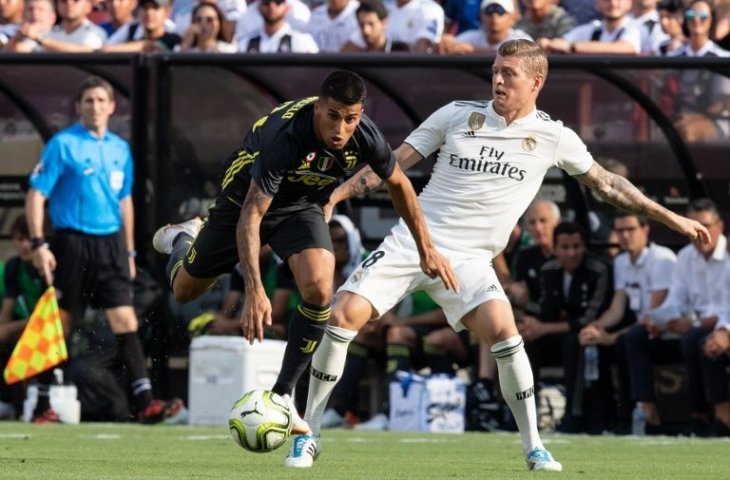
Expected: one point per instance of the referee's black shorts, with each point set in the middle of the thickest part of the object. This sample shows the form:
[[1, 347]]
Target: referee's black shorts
[[91, 270], [214, 250]]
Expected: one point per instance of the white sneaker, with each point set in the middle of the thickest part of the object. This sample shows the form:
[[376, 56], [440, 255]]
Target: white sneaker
[[304, 450], [332, 419], [164, 236], [378, 422], [298, 425], [540, 459]]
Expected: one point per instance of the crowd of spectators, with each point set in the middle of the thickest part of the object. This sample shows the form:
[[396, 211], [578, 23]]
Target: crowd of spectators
[[641, 27]]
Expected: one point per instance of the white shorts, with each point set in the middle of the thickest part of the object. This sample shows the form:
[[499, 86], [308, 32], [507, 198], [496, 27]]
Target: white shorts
[[393, 271]]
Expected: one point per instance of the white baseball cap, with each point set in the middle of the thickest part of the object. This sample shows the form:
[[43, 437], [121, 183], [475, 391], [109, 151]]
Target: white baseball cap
[[508, 5]]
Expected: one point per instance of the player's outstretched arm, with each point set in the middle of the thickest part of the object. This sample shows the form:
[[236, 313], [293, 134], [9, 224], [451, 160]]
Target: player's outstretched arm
[[366, 181], [257, 307], [621, 193], [406, 204]]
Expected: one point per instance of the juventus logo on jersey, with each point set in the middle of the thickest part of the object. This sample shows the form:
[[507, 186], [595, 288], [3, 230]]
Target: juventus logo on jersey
[[476, 120]]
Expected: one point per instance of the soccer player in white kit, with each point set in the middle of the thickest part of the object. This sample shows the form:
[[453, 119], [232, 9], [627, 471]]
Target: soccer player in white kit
[[492, 158]]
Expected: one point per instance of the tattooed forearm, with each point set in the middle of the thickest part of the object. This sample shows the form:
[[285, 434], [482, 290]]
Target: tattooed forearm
[[617, 191], [364, 182]]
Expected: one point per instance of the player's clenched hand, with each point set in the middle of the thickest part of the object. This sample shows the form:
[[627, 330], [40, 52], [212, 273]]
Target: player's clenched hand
[[435, 265], [256, 314]]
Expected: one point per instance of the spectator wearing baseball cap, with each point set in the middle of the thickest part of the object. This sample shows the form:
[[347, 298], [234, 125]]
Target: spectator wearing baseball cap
[[155, 38], [498, 18]]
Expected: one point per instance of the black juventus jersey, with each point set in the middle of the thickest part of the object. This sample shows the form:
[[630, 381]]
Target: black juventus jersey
[[282, 154]]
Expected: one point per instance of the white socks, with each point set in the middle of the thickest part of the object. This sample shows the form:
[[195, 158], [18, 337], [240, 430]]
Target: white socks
[[518, 388], [328, 364]]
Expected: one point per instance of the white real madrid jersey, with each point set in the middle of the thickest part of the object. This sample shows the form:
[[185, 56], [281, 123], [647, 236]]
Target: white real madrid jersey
[[487, 172]]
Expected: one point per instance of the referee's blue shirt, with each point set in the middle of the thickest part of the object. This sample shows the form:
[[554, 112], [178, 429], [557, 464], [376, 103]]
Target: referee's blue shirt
[[84, 178]]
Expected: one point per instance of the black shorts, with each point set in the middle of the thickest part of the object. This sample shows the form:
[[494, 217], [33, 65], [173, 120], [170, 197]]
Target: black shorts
[[214, 251], [419, 358], [91, 270]]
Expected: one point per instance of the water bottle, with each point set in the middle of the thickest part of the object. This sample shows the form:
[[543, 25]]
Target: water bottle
[[590, 372], [638, 421]]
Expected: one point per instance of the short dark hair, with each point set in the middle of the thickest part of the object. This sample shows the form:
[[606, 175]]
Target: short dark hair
[[569, 228], [343, 86], [20, 227], [643, 221], [703, 205], [94, 82], [372, 6], [672, 6]]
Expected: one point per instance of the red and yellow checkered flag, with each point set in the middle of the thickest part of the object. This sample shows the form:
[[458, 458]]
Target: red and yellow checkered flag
[[42, 345]]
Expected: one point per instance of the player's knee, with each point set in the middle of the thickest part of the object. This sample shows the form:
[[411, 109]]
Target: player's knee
[[317, 292], [184, 293], [400, 334]]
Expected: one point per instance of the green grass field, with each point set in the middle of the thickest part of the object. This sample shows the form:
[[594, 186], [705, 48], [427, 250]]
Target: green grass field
[[116, 451]]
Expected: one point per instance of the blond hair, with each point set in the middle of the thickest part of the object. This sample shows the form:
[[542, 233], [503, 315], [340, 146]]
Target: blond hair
[[534, 61]]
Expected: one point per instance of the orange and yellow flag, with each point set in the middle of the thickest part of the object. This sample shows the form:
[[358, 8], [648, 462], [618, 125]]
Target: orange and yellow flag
[[42, 345]]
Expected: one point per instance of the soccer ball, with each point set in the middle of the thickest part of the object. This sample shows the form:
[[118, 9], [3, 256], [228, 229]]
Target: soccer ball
[[260, 421]]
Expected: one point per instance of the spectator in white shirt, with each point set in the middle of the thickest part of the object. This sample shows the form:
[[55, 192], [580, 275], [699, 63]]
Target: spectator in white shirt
[[671, 18], [498, 17], [297, 16], [417, 23], [332, 24], [646, 18], [276, 35], [39, 16], [615, 33], [74, 32], [715, 360], [205, 34], [372, 18], [232, 11], [687, 311]]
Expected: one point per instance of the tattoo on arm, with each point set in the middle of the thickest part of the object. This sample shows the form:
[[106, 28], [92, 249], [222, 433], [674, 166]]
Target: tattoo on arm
[[617, 191], [363, 183]]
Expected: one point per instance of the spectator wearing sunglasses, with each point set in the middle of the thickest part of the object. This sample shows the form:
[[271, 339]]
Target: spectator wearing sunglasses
[[205, 34], [702, 107], [545, 19], [498, 17], [614, 34], [276, 35]]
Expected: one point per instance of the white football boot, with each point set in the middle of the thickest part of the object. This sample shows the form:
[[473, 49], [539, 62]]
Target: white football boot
[[164, 236], [304, 450], [540, 459]]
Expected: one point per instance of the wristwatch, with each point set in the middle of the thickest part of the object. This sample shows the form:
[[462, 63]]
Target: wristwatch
[[37, 242]]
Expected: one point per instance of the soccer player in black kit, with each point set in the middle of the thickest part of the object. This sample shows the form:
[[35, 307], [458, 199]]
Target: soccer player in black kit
[[274, 193]]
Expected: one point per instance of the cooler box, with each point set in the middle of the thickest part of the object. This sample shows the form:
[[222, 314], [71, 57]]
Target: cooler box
[[223, 368], [427, 404]]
